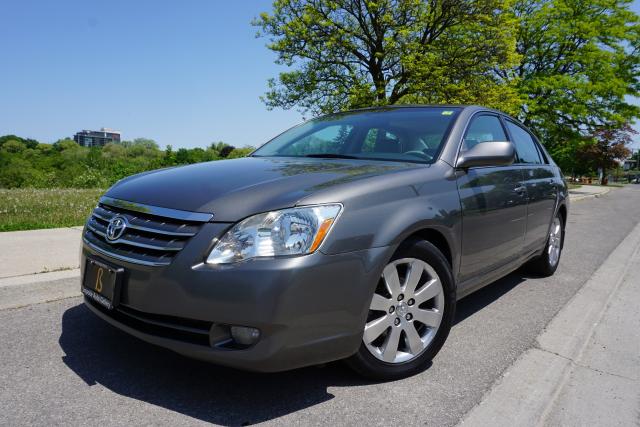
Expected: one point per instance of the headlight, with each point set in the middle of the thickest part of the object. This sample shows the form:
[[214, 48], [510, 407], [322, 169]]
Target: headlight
[[295, 231]]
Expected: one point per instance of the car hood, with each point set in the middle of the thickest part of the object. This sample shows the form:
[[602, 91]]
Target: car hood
[[234, 189]]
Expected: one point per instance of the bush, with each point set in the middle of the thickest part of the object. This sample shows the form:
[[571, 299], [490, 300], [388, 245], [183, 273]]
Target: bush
[[25, 163]]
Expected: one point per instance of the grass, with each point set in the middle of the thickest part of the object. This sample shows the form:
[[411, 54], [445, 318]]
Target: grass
[[30, 209]]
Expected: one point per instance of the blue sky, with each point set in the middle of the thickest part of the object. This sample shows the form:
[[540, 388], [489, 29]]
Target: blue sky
[[182, 73]]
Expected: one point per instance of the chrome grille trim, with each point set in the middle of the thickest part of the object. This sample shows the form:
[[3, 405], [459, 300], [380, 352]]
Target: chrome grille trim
[[143, 228], [132, 242], [156, 210], [124, 258], [105, 213], [148, 239]]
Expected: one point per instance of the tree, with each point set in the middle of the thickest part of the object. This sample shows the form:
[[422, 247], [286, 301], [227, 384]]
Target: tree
[[65, 145], [66, 164], [226, 150], [114, 150], [578, 64], [28, 142], [359, 53], [147, 143], [13, 146], [565, 67], [566, 155], [608, 147], [182, 156], [169, 157], [220, 148], [240, 152]]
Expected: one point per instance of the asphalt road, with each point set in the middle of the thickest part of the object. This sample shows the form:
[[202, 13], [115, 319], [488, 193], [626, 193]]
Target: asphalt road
[[59, 364]]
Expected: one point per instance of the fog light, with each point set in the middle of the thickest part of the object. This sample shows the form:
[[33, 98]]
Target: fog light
[[245, 336]]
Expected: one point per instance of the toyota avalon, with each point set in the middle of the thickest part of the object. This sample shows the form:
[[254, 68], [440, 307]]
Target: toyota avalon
[[350, 236]]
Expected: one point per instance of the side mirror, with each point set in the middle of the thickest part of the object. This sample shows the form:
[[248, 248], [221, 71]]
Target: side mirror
[[487, 154]]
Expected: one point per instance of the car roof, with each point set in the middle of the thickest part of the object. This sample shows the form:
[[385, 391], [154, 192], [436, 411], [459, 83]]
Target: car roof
[[470, 108], [397, 106]]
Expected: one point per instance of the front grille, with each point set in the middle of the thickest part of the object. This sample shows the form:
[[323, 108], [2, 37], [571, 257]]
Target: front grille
[[148, 239], [175, 328]]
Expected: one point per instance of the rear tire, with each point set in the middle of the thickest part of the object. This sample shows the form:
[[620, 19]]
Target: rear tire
[[547, 263], [396, 343]]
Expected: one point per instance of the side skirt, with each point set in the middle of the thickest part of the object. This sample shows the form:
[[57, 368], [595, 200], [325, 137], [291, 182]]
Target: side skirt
[[469, 286]]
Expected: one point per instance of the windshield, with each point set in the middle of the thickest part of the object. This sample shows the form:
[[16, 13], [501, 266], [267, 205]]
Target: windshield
[[403, 134]]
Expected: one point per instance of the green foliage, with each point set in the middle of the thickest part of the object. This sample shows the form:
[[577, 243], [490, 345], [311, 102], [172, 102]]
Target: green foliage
[[65, 164], [29, 143], [564, 67], [578, 64], [566, 155], [603, 150], [240, 152], [607, 148], [359, 53]]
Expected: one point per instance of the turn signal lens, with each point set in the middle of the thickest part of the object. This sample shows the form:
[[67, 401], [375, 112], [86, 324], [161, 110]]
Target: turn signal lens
[[322, 232]]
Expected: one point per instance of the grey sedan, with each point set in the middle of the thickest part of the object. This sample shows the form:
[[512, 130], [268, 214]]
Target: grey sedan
[[350, 236]]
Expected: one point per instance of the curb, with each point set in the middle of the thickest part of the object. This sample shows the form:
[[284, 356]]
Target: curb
[[21, 291], [588, 196], [29, 279], [528, 391]]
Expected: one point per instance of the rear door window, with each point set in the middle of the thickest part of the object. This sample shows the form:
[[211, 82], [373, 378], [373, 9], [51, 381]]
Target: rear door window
[[525, 145]]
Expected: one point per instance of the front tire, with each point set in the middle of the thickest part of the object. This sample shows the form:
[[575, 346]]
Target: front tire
[[410, 315]]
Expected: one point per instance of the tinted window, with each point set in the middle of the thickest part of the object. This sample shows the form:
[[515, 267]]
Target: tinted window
[[329, 139], [380, 140], [525, 145], [403, 134], [483, 129]]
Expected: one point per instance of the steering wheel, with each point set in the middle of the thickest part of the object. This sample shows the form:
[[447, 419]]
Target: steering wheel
[[420, 154]]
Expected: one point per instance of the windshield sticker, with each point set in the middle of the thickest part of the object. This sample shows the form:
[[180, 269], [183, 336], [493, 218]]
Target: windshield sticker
[[447, 113]]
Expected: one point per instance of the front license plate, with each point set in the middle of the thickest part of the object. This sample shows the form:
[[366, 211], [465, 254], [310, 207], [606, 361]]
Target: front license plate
[[101, 283]]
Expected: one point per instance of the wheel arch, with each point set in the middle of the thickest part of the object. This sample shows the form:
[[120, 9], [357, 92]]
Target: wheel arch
[[436, 238], [562, 211]]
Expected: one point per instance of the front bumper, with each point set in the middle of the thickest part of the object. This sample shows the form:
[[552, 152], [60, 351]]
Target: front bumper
[[309, 309]]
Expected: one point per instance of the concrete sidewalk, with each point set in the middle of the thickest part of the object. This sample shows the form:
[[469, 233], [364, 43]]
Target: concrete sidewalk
[[587, 192], [39, 251], [585, 367]]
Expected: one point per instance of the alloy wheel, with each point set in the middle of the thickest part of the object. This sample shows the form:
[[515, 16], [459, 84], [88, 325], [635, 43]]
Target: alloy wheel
[[555, 242], [405, 312]]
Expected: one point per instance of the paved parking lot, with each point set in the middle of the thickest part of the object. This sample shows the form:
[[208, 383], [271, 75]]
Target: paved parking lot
[[62, 365]]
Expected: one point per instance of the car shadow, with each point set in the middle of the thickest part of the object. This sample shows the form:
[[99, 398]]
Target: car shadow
[[481, 298], [101, 354]]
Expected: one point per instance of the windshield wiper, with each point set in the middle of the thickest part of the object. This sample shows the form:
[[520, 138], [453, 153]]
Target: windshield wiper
[[330, 156]]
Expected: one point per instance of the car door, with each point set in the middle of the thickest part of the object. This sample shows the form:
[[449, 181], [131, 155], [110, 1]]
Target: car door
[[540, 183], [493, 203]]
